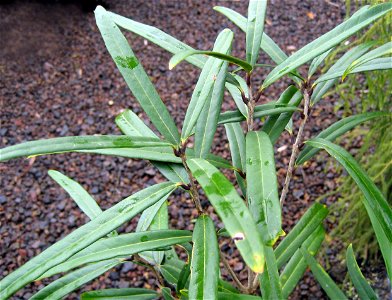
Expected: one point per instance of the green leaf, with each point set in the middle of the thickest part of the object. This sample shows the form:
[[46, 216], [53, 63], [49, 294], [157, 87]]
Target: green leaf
[[70, 282], [316, 62], [260, 111], [123, 245], [341, 64], [308, 223], [208, 120], [166, 293], [84, 236], [326, 282], [225, 287], [206, 82], [276, 124], [254, 29], [373, 54], [235, 92], [77, 143], [205, 260], [266, 44], [373, 197], [328, 41], [82, 198], [135, 76], [170, 273], [361, 285], [179, 57], [233, 212], [215, 160], [262, 186], [295, 268], [336, 130], [269, 280], [225, 296], [125, 293], [236, 138], [183, 278]]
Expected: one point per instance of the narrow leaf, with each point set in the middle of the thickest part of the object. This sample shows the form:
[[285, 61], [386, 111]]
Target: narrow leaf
[[84, 236], [72, 281], [123, 245], [361, 285], [82, 198], [235, 92], [233, 212], [262, 186], [328, 40], [179, 57], [254, 29], [326, 282], [308, 223], [316, 62], [225, 296], [336, 130], [205, 261], [166, 293], [269, 280], [295, 268], [206, 82], [373, 197], [135, 76], [77, 143], [124, 293]]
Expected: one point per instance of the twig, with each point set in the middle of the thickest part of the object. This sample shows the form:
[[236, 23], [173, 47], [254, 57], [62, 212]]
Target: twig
[[255, 283], [232, 274], [151, 267], [296, 145]]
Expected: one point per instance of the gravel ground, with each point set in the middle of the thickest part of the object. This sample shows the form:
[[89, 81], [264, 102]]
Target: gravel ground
[[57, 79]]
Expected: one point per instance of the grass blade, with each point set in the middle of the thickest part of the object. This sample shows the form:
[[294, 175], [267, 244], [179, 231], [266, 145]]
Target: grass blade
[[361, 285], [326, 282], [124, 293], [84, 236], [206, 82], [205, 261], [336, 130], [328, 40], [82, 198], [135, 76], [254, 29], [309, 222], [373, 197], [70, 282], [123, 245], [262, 186], [77, 143], [208, 120], [236, 138], [295, 268], [233, 212]]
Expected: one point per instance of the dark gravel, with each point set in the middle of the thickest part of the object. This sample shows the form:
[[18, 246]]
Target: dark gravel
[[57, 79]]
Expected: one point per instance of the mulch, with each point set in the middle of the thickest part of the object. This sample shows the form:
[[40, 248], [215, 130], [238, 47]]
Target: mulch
[[57, 79]]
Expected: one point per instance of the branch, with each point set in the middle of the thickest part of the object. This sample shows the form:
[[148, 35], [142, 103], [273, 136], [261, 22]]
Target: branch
[[237, 282], [296, 146]]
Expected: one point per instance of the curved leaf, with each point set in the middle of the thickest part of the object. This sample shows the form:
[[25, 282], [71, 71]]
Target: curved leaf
[[262, 186], [82, 198], [361, 285], [70, 282], [337, 129], [166, 293], [205, 261], [235, 92], [373, 197], [269, 280], [316, 62], [328, 40], [84, 236], [232, 210], [77, 143], [206, 82], [254, 30], [135, 76], [326, 282], [179, 57], [124, 293]]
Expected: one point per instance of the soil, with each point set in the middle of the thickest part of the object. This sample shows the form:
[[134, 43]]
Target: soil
[[57, 79]]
